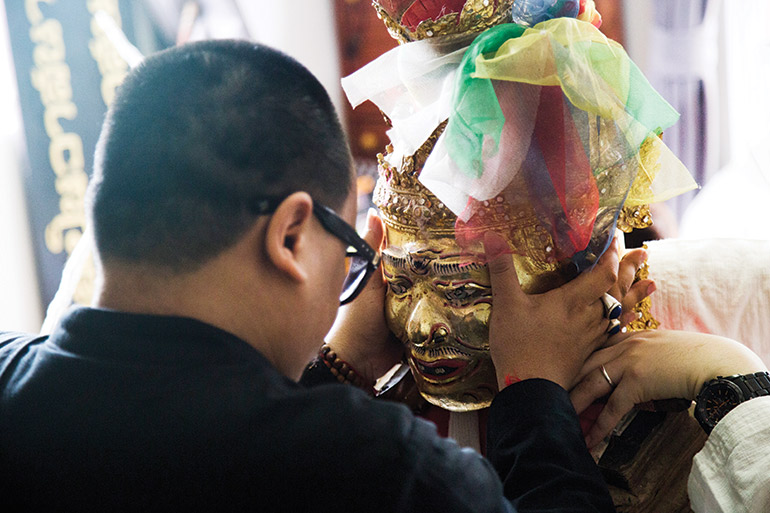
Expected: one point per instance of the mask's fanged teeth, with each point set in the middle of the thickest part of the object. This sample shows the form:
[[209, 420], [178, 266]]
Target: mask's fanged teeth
[[435, 371]]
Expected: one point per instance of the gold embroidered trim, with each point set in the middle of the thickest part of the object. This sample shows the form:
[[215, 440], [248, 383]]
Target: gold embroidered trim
[[644, 320]]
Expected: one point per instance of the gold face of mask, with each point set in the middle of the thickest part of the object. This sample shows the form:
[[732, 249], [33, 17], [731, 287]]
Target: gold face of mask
[[438, 304]]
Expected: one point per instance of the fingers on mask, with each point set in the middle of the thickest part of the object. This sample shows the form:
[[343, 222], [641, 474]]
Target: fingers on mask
[[375, 232], [590, 285], [627, 270], [635, 294], [502, 272], [629, 265], [618, 405]]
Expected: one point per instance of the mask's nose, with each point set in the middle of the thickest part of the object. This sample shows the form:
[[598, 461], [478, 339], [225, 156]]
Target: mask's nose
[[425, 326], [440, 335]]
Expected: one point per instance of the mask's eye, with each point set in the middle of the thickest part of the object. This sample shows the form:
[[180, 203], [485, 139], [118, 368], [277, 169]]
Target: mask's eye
[[459, 293], [464, 294], [399, 285]]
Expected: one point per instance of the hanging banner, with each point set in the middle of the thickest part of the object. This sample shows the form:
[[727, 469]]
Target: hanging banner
[[67, 71]]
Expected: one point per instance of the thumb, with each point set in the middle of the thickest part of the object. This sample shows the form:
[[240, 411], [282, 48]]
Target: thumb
[[375, 232], [374, 235], [591, 284], [502, 272]]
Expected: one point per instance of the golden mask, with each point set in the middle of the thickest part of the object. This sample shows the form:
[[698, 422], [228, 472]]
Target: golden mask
[[438, 304], [439, 297]]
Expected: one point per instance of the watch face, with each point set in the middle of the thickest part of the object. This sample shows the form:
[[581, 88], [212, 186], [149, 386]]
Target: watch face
[[716, 401]]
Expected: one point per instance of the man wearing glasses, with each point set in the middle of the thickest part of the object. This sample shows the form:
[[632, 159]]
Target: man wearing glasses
[[221, 202]]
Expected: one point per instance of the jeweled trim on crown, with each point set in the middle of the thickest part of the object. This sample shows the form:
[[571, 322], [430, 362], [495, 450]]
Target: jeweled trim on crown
[[405, 204], [475, 17]]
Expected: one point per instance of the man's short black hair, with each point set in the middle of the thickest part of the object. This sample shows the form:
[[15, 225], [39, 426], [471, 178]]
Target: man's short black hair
[[193, 135]]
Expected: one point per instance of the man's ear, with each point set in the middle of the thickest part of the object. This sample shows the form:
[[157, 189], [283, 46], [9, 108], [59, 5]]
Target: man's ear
[[287, 232]]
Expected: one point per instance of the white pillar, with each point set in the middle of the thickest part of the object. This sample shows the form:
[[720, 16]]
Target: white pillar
[[20, 308]]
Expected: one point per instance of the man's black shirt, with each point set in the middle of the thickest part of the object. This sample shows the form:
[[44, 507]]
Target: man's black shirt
[[118, 411]]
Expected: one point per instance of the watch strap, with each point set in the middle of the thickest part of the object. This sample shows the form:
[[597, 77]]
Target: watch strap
[[752, 385]]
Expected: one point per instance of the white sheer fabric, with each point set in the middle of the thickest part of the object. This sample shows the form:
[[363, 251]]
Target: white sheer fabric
[[412, 84]]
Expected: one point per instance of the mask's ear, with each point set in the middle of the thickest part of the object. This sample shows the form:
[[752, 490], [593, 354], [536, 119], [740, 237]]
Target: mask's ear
[[288, 231]]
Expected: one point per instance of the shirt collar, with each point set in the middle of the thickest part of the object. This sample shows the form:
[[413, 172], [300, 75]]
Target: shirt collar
[[110, 334]]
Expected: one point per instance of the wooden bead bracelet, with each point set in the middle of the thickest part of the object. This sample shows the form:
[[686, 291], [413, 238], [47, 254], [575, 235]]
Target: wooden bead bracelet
[[341, 369]]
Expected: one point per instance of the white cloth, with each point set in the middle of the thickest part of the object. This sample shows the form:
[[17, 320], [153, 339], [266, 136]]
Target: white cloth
[[731, 474], [717, 286], [464, 429], [412, 84]]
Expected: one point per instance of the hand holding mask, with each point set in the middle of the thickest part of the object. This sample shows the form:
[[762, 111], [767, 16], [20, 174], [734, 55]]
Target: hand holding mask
[[546, 335]]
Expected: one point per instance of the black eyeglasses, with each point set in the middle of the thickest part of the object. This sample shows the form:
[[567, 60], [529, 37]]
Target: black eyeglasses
[[361, 260]]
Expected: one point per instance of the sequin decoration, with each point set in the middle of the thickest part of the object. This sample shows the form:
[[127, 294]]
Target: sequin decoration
[[644, 319]]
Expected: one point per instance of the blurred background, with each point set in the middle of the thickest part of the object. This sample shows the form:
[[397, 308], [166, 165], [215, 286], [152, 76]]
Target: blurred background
[[58, 71]]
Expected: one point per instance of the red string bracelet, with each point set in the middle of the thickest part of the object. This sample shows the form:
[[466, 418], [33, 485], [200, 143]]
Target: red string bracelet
[[510, 379]]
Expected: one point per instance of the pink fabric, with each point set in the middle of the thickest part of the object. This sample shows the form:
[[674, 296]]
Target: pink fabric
[[568, 166]]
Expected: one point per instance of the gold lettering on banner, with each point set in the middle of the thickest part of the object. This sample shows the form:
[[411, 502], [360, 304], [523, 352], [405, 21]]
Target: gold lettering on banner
[[34, 14], [52, 78], [52, 115], [112, 67]]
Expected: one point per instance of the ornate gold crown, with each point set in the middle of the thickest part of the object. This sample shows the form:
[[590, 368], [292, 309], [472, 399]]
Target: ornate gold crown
[[474, 17], [407, 207]]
